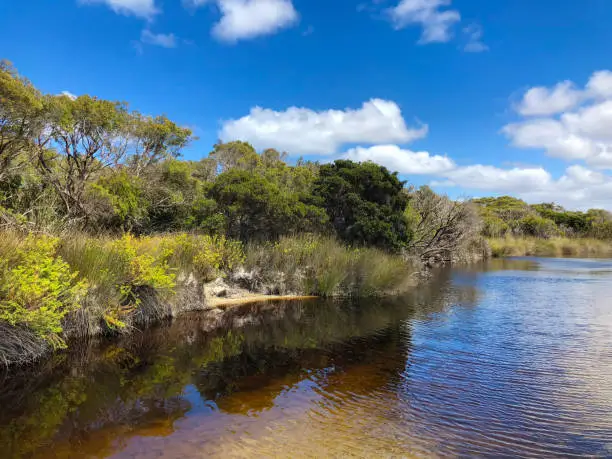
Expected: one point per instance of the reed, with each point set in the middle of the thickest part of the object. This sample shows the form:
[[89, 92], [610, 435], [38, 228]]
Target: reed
[[554, 247]]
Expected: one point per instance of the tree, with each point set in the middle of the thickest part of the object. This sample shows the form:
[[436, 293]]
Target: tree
[[116, 201], [82, 137], [365, 203], [257, 209], [235, 155], [21, 110], [440, 226], [153, 139]]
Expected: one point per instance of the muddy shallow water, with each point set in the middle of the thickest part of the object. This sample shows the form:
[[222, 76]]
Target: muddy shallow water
[[509, 358]]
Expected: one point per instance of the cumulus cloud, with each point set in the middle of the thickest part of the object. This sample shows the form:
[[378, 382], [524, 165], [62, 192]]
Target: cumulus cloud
[[578, 188], [403, 161], [141, 8], [570, 123], [600, 84], [158, 39], [492, 178], [305, 131], [69, 95], [540, 101], [245, 19], [429, 14]]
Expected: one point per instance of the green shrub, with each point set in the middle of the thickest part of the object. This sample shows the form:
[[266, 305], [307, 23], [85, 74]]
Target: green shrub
[[38, 289], [142, 268], [208, 257]]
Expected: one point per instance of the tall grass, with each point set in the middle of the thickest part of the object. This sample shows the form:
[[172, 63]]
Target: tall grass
[[131, 282], [555, 247], [316, 265]]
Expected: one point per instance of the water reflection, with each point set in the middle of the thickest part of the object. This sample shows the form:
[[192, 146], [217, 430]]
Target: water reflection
[[496, 359]]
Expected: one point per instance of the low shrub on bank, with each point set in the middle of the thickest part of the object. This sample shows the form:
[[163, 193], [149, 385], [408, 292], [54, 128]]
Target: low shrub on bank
[[554, 247], [51, 288], [316, 265], [38, 289]]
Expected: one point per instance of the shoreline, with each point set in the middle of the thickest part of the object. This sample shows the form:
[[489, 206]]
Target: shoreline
[[227, 303]]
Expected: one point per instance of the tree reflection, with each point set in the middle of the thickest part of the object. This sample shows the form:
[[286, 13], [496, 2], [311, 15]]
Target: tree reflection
[[94, 399]]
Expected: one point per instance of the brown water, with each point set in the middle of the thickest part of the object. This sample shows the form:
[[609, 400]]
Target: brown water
[[512, 358]]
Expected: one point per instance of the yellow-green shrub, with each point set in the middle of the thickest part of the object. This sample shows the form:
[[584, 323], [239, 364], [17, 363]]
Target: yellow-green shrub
[[206, 256], [37, 289], [142, 269]]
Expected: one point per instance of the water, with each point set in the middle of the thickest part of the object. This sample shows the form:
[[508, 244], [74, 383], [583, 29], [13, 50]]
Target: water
[[512, 358]]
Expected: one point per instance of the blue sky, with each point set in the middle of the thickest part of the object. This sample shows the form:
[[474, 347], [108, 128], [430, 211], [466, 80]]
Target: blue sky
[[475, 97]]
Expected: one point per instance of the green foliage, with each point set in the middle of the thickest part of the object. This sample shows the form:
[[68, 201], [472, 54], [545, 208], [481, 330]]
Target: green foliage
[[316, 265], [235, 155], [535, 225], [208, 257], [155, 139], [21, 118], [574, 222], [143, 268], [38, 289], [117, 201], [365, 203], [507, 216], [257, 209], [554, 247]]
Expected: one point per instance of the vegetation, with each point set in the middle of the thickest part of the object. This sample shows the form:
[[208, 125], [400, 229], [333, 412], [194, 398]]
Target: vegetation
[[104, 228], [554, 247], [508, 216]]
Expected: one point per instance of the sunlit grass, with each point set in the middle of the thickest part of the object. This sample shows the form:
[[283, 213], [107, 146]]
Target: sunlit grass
[[316, 265], [554, 247]]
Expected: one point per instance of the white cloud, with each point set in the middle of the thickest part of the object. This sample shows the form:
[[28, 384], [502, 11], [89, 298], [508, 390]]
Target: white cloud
[[305, 131], [474, 43], [553, 136], [541, 101], [158, 39], [245, 19], [141, 8], [578, 188], [436, 22], [573, 124], [600, 84], [69, 95], [400, 160], [593, 122], [492, 178]]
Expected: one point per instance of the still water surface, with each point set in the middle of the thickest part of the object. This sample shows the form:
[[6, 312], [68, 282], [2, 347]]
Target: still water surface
[[511, 358]]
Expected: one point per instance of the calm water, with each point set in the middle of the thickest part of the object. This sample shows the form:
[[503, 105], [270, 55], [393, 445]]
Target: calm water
[[513, 358]]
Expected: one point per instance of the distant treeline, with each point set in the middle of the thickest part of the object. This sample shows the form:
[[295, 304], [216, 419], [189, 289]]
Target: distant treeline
[[508, 216]]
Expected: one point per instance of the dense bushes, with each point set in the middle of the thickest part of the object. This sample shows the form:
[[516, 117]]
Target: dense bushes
[[38, 289], [365, 203], [555, 247], [82, 285], [314, 265], [508, 216]]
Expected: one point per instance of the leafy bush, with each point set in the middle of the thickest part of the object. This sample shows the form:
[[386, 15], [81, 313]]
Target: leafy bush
[[534, 225], [206, 256], [365, 203], [142, 268], [38, 289]]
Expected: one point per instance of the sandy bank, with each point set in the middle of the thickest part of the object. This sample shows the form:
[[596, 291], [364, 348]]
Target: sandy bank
[[225, 303]]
